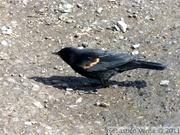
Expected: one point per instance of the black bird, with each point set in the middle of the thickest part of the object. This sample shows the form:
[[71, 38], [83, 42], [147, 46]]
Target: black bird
[[102, 65]]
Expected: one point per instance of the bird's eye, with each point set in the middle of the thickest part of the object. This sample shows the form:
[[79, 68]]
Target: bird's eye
[[63, 54]]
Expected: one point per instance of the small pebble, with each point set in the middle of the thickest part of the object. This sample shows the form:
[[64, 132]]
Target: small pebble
[[43, 71], [25, 2], [21, 75], [6, 30], [73, 106], [35, 87], [65, 8], [174, 42], [38, 104], [98, 122], [141, 32], [28, 123], [99, 10], [147, 17], [135, 46], [63, 17], [42, 11], [11, 80], [164, 83], [137, 1], [168, 89], [85, 44], [79, 100], [68, 93], [69, 89], [60, 68], [48, 127], [121, 37], [135, 52], [15, 119], [14, 23], [122, 25], [79, 5], [4, 43], [167, 125], [104, 49], [102, 104], [114, 86], [81, 47]]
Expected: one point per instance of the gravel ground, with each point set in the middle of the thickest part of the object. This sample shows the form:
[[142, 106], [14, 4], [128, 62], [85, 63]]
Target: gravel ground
[[38, 92]]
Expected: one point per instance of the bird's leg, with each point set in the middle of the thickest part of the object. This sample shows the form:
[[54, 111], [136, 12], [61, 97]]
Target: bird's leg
[[103, 82]]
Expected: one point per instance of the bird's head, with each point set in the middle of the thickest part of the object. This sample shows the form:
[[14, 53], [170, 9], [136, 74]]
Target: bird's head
[[66, 54]]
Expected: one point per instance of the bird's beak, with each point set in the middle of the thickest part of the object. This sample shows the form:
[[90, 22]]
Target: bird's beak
[[55, 53]]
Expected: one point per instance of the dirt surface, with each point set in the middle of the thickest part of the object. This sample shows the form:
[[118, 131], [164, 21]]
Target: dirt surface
[[39, 92]]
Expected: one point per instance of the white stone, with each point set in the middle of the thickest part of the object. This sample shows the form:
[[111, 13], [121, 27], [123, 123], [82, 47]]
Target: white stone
[[79, 100], [4, 43], [137, 1], [135, 52], [6, 31], [164, 83], [99, 10], [122, 25], [69, 89], [81, 47], [135, 46], [38, 104], [28, 123], [65, 8], [14, 23]]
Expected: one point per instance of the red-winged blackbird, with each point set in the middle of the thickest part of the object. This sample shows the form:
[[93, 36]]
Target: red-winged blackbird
[[102, 65]]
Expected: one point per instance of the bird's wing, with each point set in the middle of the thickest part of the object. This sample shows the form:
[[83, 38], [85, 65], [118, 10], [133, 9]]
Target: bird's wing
[[103, 61]]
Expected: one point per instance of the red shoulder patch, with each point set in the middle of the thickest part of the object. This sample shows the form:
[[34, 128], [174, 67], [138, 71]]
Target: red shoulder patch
[[91, 63]]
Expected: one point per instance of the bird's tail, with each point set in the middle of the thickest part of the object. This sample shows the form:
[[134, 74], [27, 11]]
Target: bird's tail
[[149, 65]]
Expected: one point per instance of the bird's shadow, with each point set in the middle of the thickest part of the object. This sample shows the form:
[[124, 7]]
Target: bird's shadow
[[81, 83]]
